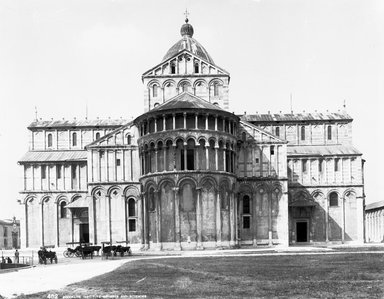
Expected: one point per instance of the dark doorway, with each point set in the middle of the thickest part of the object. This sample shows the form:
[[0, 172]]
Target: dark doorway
[[302, 231], [84, 232]]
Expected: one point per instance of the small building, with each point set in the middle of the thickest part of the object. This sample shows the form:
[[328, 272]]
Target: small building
[[374, 222], [9, 233]]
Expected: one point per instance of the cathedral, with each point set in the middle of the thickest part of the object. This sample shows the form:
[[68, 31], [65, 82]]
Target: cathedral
[[189, 174]]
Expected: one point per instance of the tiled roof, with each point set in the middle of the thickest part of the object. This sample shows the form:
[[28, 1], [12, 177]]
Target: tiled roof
[[375, 205], [321, 150], [78, 123], [295, 117], [192, 46], [186, 100], [53, 156]]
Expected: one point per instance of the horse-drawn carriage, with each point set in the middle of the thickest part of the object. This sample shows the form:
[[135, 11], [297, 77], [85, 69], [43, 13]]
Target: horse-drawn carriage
[[114, 250], [83, 250], [45, 255]]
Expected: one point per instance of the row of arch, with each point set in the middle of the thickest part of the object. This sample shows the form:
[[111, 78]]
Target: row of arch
[[214, 183], [211, 141], [179, 84], [188, 121], [188, 156], [333, 195]]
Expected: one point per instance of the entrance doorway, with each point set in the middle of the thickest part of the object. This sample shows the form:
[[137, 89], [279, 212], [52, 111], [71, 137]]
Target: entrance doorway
[[302, 231], [84, 232]]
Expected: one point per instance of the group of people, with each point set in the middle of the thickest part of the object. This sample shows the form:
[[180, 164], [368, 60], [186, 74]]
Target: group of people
[[7, 260]]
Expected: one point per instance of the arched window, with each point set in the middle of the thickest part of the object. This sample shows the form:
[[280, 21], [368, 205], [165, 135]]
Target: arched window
[[303, 133], [155, 90], [246, 205], [216, 90], [277, 131], [246, 212], [131, 208], [63, 209], [129, 139], [333, 199], [196, 67], [131, 215], [329, 129], [173, 68], [74, 139], [97, 135], [49, 140]]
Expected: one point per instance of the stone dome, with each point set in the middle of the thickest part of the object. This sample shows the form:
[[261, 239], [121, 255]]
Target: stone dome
[[188, 43]]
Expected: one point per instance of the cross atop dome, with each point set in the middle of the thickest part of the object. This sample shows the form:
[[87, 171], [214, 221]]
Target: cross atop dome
[[186, 15]]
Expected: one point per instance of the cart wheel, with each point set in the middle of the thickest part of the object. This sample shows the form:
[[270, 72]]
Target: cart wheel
[[66, 253]]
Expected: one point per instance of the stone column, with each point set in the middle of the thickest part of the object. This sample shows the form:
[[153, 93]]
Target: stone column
[[199, 219], [225, 158], [196, 121], [218, 219], [56, 216], [326, 220], [343, 219], [165, 163], [185, 156], [145, 220], [41, 216], [207, 155], [174, 121], [164, 122], [140, 212], [185, 120], [216, 157], [232, 218], [236, 204], [177, 219], [155, 119], [206, 121], [156, 160], [216, 123], [254, 218], [197, 148], [270, 219], [158, 219]]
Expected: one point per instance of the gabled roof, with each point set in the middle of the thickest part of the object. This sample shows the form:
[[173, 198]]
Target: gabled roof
[[375, 205], [54, 156], [105, 137], [77, 123], [322, 150], [295, 117], [272, 138], [226, 73]]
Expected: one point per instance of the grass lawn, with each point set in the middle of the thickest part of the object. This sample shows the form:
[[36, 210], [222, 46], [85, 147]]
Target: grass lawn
[[300, 276]]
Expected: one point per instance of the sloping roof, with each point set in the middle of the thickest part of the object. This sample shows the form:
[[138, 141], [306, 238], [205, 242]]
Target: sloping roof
[[186, 100], [77, 123], [79, 203], [375, 205], [295, 117], [53, 156], [321, 150], [251, 126]]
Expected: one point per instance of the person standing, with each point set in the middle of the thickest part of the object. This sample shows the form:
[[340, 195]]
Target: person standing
[[16, 256]]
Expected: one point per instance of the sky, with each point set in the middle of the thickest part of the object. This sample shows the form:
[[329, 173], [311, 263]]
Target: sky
[[64, 56]]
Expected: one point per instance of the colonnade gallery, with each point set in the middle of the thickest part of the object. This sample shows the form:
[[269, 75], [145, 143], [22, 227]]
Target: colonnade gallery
[[188, 174]]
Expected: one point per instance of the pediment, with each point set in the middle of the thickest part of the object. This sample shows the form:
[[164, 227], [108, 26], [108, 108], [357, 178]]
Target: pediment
[[254, 134], [124, 136], [210, 69]]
